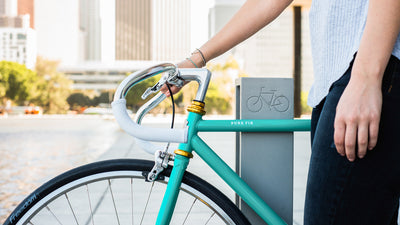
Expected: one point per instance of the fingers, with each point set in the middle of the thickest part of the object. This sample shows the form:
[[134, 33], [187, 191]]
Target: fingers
[[350, 142], [340, 131], [362, 139], [373, 134], [362, 135], [174, 90], [164, 90]]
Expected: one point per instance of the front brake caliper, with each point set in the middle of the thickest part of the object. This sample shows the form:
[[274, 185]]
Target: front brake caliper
[[162, 159]]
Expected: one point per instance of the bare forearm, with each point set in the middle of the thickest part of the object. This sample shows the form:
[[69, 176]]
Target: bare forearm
[[381, 31], [359, 109], [251, 17]]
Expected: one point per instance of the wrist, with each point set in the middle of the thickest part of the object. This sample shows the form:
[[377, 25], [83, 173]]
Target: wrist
[[368, 69], [196, 59], [199, 57]]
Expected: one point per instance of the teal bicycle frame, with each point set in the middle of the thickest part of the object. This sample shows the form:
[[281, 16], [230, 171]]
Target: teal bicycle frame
[[195, 124], [195, 143]]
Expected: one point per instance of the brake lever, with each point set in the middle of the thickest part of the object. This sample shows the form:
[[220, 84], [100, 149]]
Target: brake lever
[[173, 79], [155, 88]]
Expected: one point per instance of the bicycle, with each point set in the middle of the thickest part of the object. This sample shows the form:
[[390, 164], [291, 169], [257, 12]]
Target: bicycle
[[111, 192], [278, 102]]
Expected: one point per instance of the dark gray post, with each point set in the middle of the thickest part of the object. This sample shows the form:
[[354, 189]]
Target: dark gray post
[[297, 59], [265, 160]]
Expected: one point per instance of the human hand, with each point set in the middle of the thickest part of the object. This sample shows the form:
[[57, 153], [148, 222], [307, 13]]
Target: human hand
[[358, 116], [174, 89]]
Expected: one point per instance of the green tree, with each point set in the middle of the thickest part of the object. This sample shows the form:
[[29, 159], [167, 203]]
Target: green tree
[[52, 88], [78, 100], [134, 96], [16, 82], [216, 100], [104, 97]]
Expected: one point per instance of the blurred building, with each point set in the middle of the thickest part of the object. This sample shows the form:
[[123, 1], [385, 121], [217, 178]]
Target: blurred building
[[268, 53], [19, 21], [8, 7], [101, 76], [26, 7], [18, 45], [97, 25], [171, 30], [133, 29], [58, 34], [17, 39], [152, 30], [145, 33]]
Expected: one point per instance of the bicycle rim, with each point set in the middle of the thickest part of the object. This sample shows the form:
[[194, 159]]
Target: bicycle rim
[[115, 192]]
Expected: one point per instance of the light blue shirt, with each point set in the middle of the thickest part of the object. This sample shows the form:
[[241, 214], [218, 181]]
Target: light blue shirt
[[336, 28]]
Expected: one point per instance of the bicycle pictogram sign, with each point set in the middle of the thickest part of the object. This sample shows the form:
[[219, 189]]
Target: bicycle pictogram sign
[[270, 98]]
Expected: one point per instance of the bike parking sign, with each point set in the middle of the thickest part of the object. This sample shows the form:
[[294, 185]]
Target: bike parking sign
[[269, 99], [266, 97]]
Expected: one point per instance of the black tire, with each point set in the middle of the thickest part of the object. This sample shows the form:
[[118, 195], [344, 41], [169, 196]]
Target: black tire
[[53, 200]]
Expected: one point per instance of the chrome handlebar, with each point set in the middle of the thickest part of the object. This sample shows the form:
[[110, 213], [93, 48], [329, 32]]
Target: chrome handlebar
[[172, 75]]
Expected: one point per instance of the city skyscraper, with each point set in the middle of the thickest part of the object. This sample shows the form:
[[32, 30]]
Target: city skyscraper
[[133, 29], [27, 7], [152, 29], [58, 34], [10, 15], [171, 30], [97, 24], [17, 39], [8, 7]]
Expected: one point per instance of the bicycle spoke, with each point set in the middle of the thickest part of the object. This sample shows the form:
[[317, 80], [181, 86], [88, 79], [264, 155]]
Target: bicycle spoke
[[48, 209], [90, 205], [98, 204], [190, 209], [147, 202], [70, 206], [132, 199], [112, 196], [209, 219]]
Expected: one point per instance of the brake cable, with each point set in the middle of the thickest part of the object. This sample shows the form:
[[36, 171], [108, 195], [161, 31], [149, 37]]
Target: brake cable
[[173, 105]]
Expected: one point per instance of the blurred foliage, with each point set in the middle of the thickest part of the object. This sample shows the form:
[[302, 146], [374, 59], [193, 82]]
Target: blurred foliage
[[134, 97], [17, 83], [44, 86], [85, 99], [52, 87], [217, 101], [305, 109], [78, 100], [104, 97]]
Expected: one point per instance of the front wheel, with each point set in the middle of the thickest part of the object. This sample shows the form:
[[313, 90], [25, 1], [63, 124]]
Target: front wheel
[[115, 192]]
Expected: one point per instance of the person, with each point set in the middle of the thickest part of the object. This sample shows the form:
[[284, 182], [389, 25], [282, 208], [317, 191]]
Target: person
[[354, 171]]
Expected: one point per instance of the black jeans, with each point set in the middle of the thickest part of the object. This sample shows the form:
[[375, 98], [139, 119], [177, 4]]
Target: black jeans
[[367, 190]]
